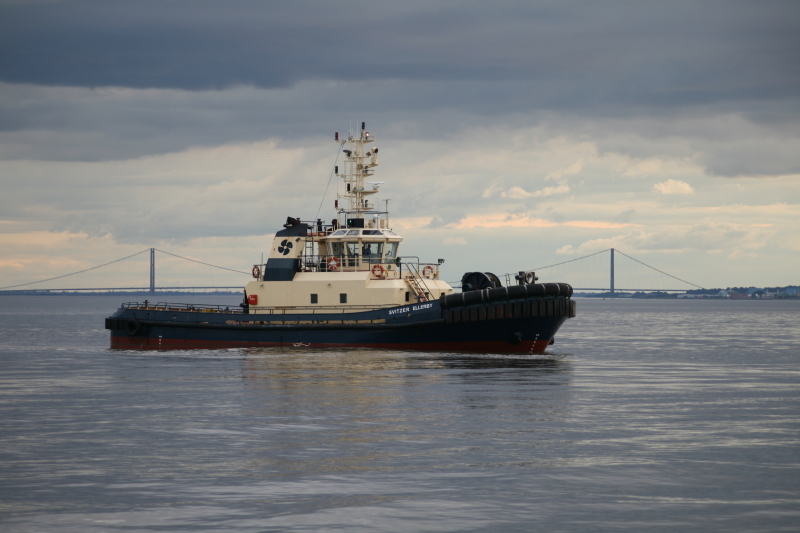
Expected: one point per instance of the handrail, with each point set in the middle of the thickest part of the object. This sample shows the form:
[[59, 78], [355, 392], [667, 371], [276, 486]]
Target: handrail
[[327, 309], [423, 292], [167, 306], [331, 309], [421, 278]]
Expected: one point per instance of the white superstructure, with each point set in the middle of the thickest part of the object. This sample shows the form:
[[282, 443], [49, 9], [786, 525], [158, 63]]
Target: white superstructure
[[353, 263]]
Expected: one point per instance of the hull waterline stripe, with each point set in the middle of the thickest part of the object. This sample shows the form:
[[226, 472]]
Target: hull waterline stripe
[[148, 343]]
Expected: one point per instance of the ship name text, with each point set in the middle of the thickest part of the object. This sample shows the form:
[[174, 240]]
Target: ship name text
[[419, 307]]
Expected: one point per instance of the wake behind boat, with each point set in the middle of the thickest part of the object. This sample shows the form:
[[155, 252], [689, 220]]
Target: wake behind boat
[[345, 284]]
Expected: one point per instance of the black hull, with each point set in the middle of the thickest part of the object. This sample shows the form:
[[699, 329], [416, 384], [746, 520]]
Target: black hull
[[525, 325]]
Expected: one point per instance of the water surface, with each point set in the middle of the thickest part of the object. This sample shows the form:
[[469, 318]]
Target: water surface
[[651, 415]]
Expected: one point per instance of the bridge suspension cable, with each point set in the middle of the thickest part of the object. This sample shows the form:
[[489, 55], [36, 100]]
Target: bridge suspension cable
[[626, 255], [126, 287], [78, 272], [200, 262], [572, 260], [660, 271]]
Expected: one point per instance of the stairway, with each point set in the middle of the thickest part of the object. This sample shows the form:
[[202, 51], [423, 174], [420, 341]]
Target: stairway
[[417, 284]]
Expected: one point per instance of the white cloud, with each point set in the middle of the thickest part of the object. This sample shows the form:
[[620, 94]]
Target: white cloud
[[732, 239], [567, 249], [571, 170], [673, 187], [659, 166], [518, 193], [491, 191]]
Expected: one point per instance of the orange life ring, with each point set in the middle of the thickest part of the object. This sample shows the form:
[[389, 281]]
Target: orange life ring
[[377, 271], [427, 271], [333, 263], [256, 271]]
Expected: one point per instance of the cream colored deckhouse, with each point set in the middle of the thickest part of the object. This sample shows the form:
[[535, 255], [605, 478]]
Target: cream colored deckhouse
[[352, 264]]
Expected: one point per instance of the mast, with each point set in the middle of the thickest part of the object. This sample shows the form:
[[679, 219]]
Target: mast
[[359, 165]]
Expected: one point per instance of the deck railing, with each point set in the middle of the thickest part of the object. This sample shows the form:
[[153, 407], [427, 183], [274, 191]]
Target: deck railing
[[203, 308]]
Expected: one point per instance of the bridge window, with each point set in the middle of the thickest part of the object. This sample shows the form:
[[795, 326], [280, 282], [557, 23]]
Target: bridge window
[[352, 249], [349, 252], [372, 251], [391, 250]]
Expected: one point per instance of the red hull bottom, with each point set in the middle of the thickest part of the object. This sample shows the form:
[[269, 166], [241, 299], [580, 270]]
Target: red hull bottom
[[147, 343]]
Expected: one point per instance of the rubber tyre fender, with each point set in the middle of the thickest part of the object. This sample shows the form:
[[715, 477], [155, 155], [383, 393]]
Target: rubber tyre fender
[[535, 290], [565, 289], [516, 292], [500, 293], [551, 289], [133, 327]]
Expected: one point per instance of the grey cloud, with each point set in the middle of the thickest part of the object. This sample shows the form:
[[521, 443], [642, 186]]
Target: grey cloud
[[578, 54], [80, 124], [641, 79], [626, 216], [727, 144]]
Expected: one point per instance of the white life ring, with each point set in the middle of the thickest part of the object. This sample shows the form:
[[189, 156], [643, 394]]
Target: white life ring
[[377, 271], [428, 272], [256, 271], [333, 263]]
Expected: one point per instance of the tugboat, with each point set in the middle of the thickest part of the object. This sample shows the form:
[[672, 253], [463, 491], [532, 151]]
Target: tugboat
[[345, 284]]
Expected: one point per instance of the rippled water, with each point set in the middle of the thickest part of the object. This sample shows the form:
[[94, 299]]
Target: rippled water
[[644, 416]]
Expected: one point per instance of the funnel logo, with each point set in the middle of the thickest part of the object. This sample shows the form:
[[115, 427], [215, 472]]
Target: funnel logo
[[285, 247]]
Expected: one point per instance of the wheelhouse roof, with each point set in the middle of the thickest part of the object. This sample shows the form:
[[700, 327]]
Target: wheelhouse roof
[[347, 234]]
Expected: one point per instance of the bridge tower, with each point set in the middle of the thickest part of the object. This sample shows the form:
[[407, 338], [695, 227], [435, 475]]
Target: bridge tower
[[153, 271], [612, 272]]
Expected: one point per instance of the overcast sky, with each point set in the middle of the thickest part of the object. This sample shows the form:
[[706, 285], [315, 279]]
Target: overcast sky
[[512, 134]]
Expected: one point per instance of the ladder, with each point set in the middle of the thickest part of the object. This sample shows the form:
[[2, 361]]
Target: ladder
[[417, 284], [310, 260]]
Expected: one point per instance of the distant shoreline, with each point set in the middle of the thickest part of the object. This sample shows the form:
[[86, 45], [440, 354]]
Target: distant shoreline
[[120, 293]]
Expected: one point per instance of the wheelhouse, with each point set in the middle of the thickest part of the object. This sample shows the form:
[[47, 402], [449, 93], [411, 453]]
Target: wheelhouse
[[361, 248]]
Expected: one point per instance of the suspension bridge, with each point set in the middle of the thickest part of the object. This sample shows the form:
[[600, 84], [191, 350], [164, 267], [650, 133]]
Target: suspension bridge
[[640, 276], [137, 273], [608, 271]]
